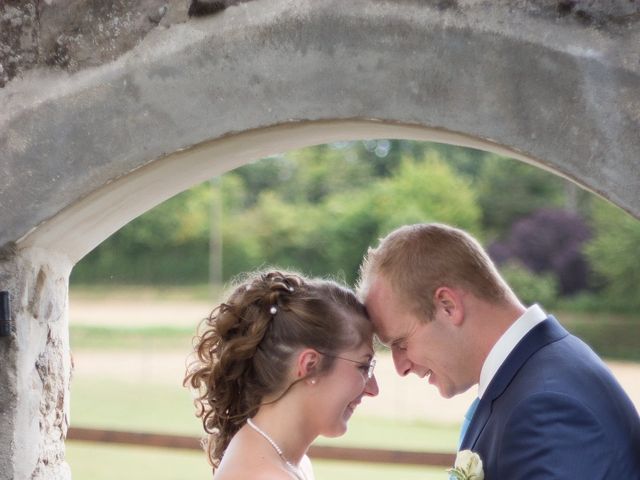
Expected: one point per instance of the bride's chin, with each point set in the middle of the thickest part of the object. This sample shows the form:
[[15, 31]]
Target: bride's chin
[[338, 430]]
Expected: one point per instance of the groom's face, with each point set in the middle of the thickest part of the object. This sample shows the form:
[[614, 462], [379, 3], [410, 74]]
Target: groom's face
[[430, 349]]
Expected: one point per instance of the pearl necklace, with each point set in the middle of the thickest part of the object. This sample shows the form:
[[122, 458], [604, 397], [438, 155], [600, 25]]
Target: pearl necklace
[[295, 470]]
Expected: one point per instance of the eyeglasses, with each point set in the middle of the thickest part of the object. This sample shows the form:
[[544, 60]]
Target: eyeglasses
[[367, 367]]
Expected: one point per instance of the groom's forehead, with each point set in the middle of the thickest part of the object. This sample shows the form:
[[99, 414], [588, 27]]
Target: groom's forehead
[[386, 329], [381, 334], [381, 306]]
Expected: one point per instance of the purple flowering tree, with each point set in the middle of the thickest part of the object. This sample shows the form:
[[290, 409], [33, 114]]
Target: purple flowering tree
[[548, 241]]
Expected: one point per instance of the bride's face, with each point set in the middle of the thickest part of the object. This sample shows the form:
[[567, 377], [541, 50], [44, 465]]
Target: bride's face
[[340, 391]]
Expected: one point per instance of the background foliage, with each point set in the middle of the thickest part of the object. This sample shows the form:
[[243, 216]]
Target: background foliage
[[549, 241], [318, 209]]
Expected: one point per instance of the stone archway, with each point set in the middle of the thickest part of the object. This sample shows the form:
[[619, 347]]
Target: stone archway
[[84, 153]]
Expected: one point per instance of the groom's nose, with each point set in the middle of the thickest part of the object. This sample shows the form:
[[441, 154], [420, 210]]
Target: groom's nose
[[401, 362]]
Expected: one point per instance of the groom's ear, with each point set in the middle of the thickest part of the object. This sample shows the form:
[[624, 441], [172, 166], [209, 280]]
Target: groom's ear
[[308, 361], [448, 305]]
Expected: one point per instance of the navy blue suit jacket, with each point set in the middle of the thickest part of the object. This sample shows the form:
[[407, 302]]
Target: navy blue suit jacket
[[555, 411]]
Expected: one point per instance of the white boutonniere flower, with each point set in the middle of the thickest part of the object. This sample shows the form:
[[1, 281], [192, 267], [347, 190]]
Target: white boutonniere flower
[[468, 466]]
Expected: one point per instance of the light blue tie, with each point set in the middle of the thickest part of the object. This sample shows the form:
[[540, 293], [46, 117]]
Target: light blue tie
[[467, 420]]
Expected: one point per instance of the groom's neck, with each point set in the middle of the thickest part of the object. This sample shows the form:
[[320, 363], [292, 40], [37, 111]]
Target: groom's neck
[[488, 322]]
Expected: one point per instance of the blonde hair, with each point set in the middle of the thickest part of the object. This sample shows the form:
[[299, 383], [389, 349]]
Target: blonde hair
[[418, 259]]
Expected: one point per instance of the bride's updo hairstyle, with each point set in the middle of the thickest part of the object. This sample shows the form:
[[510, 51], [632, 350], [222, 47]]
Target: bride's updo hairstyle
[[244, 350]]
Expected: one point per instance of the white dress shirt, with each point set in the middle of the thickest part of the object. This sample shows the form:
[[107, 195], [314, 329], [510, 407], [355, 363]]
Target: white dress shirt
[[506, 343]]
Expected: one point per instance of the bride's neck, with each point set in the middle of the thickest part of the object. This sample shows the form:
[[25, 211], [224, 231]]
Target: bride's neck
[[286, 424]]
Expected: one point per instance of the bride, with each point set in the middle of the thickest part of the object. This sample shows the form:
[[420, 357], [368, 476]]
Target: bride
[[283, 360]]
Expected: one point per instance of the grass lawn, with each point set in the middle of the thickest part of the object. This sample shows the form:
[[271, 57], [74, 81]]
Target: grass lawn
[[92, 337], [105, 462], [612, 336], [111, 404], [94, 461], [105, 403]]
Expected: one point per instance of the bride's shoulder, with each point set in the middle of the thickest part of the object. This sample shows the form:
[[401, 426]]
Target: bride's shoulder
[[258, 467], [239, 463], [242, 472]]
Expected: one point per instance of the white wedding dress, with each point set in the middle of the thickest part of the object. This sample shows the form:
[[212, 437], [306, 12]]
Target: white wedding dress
[[306, 469]]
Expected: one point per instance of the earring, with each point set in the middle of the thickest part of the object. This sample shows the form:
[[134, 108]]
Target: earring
[[313, 381]]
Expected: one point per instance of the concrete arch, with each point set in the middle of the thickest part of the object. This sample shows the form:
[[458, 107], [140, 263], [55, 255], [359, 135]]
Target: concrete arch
[[82, 154], [79, 228], [562, 95]]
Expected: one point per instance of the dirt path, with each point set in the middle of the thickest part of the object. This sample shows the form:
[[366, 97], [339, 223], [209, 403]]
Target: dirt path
[[137, 313]]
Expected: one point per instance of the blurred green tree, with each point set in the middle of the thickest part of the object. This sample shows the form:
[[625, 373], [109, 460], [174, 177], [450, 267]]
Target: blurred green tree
[[509, 189], [613, 255], [427, 190], [318, 209], [327, 230], [530, 287]]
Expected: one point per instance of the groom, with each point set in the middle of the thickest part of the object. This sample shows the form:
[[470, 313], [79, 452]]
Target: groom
[[548, 406]]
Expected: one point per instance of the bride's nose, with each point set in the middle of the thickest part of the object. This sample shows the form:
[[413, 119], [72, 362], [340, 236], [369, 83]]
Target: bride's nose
[[371, 387]]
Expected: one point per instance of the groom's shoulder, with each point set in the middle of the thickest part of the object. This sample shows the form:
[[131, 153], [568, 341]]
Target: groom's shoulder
[[568, 356], [563, 363], [554, 345], [568, 367]]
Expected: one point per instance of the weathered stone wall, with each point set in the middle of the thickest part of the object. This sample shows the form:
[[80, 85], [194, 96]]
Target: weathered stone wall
[[107, 107], [544, 82], [76, 34], [36, 366]]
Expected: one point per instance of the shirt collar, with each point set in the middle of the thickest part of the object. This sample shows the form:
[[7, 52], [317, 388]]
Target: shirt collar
[[507, 342]]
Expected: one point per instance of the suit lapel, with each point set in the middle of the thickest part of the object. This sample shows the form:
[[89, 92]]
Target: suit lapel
[[545, 332]]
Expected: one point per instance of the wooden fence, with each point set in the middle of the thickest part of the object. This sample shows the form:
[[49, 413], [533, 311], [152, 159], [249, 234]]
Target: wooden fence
[[350, 454]]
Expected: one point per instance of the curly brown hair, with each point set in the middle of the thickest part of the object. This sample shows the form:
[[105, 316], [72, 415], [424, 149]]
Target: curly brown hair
[[244, 348]]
